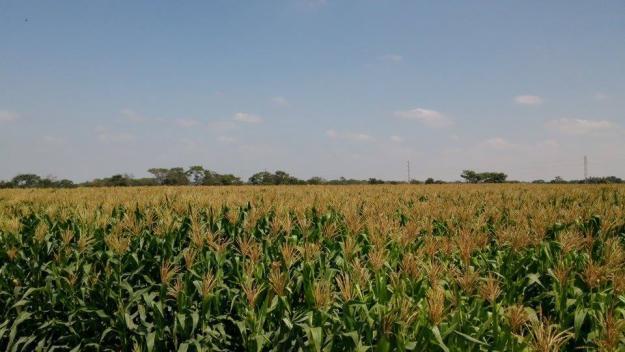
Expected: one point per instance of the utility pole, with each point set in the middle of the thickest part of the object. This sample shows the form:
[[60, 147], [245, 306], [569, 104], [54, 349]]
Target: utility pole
[[585, 169], [408, 166]]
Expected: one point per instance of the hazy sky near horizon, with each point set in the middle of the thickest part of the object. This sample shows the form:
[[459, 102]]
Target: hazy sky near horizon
[[314, 87]]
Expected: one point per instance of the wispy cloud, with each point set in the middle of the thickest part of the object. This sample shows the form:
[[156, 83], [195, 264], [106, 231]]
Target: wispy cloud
[[396, 139], [107, 136], [221, 125], [133, 116], [247, 118], [8, 116], [579, 126], [430, 118], [226, 139], [503, 144], [498, 143], [391, 58], [600, 96], [279, 101], [52, 140], [549, 143], [349, 136], [186, 123], [531, 100]]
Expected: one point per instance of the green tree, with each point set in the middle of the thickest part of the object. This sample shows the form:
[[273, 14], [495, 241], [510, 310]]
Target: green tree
[[160, 174], [483, 177], [229, 179], [176, 176], [26, 180], [196, 174], [316, 180], [470, 176], [262, 178]]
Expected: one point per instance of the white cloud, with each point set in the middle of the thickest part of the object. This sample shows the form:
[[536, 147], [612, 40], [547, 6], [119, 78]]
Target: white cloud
[[528, 100], [8, 116], [392, 58], [349, 136], [186, 123], [191, 145], [500, 143], [497, 143], [106, 136], [52, 140], [247, 118], [599, 96], [549, 143], [221, 125], [396, 139], [430, 118], [579, 126], [133, 116], [226, 139], [279, 101]]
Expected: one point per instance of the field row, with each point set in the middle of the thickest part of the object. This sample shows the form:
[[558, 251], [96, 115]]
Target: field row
[[451, 268]]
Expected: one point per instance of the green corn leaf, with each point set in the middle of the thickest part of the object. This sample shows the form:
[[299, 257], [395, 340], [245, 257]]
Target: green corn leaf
[[439, 339], [474, 340], [149, 341], [23, 316]]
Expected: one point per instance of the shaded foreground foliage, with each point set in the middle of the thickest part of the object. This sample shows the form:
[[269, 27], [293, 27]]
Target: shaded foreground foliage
[[451, 268]]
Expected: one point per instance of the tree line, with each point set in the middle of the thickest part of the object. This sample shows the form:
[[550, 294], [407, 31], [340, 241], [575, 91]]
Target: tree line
[[199, 176]]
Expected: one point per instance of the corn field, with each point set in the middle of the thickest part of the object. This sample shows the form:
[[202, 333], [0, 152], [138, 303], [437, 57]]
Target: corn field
[[313, 268]]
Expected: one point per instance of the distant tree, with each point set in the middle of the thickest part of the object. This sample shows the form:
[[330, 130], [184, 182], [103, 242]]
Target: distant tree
[[229, 179], [608, 179], [261, 178], [210, 178], [613, 179], [557, 179], [283, 178], [470, 176], [538, 181], [145, 181], [483, 177], [429, 181], [493, 177], [47, 182], [316, 180], [176, 176], [196, 174], [26, 180], [173, 176], [32, 181], [277, 178], [65, 183], [160, 174], [119, 181]]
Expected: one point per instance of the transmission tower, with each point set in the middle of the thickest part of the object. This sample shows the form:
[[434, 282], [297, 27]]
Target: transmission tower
[[408, 168]]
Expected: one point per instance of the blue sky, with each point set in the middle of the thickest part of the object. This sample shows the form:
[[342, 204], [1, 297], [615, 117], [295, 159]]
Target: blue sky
[[329, 88]]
